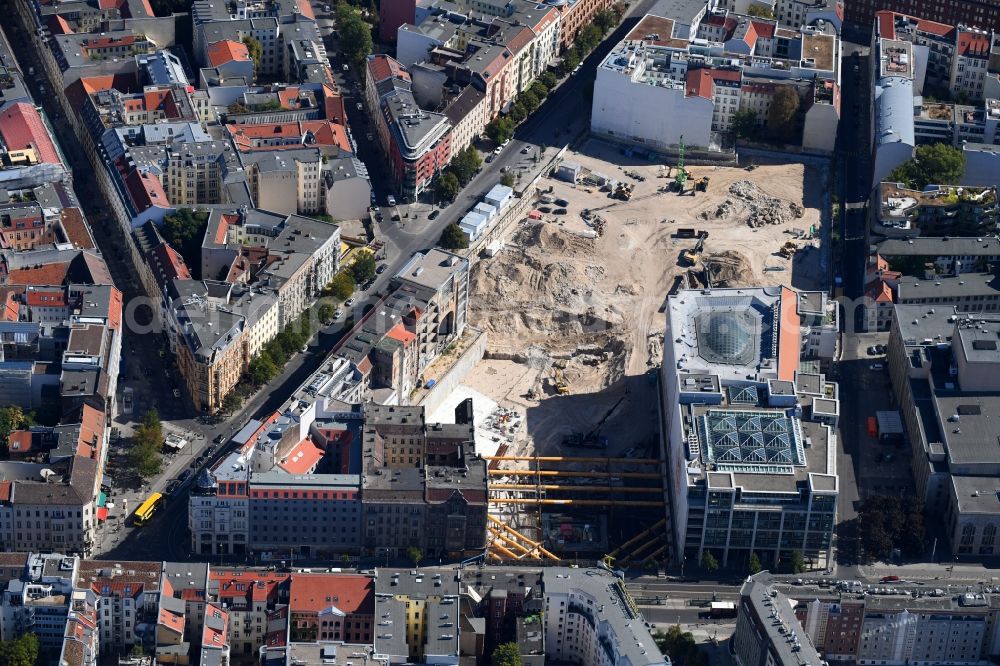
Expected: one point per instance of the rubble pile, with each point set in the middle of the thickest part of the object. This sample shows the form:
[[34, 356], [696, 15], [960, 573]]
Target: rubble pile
[[761, 208]]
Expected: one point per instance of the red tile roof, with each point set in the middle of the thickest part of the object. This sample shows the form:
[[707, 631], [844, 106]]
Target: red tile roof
[[699, 83], [5, 488], [399, 332], [75, 228], [763, 28], [22, 127], [212, 637], [973, 44], [171, 621], [145, 190], [227, 50], [303, 458], [92, 425], [247, 584], [19, 442], [55, 298], [348, 593], [170, 262], [324, 132], [382, 67], [39, 275]]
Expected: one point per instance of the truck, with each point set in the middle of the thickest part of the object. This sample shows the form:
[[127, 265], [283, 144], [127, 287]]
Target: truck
[[722, 609]]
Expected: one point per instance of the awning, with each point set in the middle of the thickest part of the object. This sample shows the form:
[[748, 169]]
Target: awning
[[102, 499], [102, 514]]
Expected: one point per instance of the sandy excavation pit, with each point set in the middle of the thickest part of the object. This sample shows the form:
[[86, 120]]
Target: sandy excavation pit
[[558, 297]]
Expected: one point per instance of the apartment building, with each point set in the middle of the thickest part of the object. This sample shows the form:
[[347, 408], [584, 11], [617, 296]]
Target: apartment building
[[746, 61], [941, 361], [127, 596], [941, 211], [590, 618], [982, 13], [332, 607], [730, 377], [220, 615], [767, 631], [423, 485], [941, 256]]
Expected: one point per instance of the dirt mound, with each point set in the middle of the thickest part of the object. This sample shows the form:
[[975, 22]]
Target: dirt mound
[[759, 207], [728, 269]]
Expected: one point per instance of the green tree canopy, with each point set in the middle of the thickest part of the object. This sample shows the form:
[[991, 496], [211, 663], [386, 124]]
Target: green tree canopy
[[744, 123], [508, 179], [539, 89], [415, 555], [760, 11], [782, 116], [548, 79], [325, 312], [355, 35], [518, 112], [453, 238], [255, 49], [680, 646], [589, 38], [447, 186], [932, 164], [570, 61], [529, 100], [465, 164], [798, 562], [605, 20], [262, 369], [506, 654], [185, 231], [22, 651], [708, 562], [342, 286], [754, 564], [500, 129], [232, 402], [144, 456], [363, 268], [12, 418]]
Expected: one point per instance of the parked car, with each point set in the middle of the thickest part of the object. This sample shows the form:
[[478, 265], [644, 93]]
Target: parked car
[[434, 214], [361, 107], [490, 157], [877, 366], [304, 349], [889, 579], [381, 269], [209, 451], [872, 351], [172, 487], [498, 149], [369, 136], [559, 211], [219, 439], [391, 200], [177, 394], [185, 475], [338, 314], [345, 67], [526, 150], [349, 302]]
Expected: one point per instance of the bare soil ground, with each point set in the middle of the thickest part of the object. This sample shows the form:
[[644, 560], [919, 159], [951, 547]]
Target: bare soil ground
[[557, 295]]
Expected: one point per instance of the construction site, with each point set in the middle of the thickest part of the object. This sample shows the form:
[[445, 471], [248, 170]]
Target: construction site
[[573, 309]]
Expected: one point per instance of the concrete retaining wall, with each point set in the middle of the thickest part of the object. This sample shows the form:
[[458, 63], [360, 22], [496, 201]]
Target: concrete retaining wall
[[447, 383]]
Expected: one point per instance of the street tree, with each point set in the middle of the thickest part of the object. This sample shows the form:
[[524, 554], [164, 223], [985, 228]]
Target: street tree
[[518, 112], [782, 116], [447, 186], [22, 651], [708, 562], [232, 402], [453, 238], [589, 38], [415, 555], [605, 20], [465, 164], [325, 312], [506, 654], [262, 369], [342, 286], [754, 564], [549, 80], [540, 90], [355, 38], [570, 61], [500, 129], [529, 100], [798, 562], [363, 268], [508, 179]]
